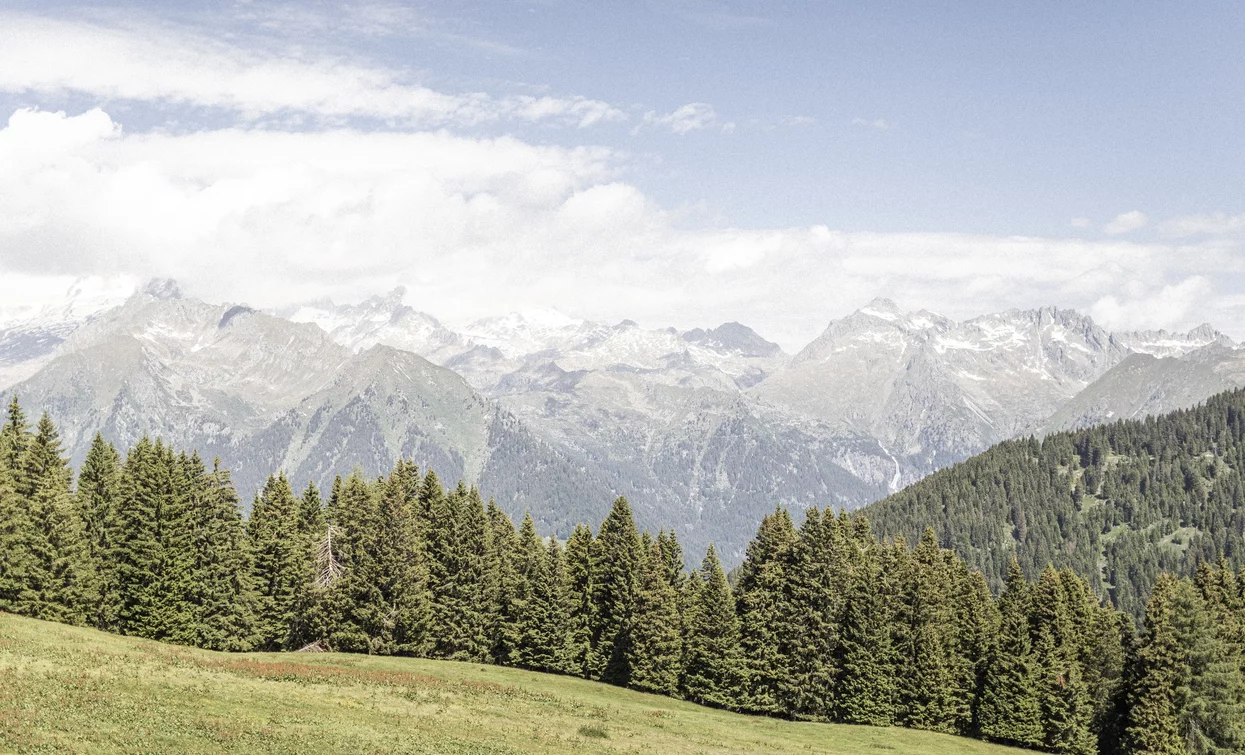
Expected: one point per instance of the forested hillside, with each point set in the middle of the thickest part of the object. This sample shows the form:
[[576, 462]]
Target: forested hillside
[[1118, 503], [826, 621]]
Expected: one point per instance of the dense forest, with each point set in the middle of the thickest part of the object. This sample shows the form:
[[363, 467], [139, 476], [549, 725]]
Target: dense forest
[[1119, 504], [825, 621]]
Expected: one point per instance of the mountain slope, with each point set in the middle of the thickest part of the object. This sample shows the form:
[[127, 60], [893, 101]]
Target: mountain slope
[[1119, 503]]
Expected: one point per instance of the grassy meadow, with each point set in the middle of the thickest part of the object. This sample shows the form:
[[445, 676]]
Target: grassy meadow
[[66, 689]]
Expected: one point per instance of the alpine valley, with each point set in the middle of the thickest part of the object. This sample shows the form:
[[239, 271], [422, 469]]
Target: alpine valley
[[704, 430]]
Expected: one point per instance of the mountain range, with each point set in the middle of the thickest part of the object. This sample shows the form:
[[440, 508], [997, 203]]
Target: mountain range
[[704, 430]]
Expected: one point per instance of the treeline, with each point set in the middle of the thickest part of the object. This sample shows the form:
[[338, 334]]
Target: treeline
[[825, 621], [1119, 504]]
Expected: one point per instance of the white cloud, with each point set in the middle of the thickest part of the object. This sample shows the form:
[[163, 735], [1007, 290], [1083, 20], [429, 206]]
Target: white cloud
[[1126, 222], [475, 227], [690, 117], [170, 65], [1081, 222], [880, 124], [1214, 224], [1138, 306]]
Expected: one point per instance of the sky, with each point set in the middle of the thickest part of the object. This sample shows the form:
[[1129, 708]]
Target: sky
[[683, 162]]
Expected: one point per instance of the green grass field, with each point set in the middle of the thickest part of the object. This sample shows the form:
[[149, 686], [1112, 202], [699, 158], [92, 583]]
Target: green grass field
[[64, 689]]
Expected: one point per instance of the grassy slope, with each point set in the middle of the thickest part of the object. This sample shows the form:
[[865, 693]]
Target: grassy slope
[[69, 689]]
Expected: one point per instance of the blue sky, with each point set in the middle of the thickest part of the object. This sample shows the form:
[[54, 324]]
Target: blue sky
[[831, 150]]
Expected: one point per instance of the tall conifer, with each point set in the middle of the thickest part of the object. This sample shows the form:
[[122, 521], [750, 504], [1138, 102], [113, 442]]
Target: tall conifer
[[714, 672], [1010, 711], [615, 562]]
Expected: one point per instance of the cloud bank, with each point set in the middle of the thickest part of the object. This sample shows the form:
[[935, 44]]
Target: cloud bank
[[475, 227]]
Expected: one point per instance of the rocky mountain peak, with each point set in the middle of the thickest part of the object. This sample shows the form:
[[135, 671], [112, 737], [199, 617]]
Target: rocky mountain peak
[[734, 338], [165, 289]]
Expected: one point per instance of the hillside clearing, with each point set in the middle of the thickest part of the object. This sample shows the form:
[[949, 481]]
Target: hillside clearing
[[70, 689]]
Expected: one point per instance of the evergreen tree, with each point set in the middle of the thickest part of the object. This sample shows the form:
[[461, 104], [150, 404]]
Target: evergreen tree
[[279, 561], [220, 570], [1063, 695], [14, 438], [929, 687], [765, 614], [577, 602], [615, 561], [1010, 710], [98, 496], [815, 588], [976, 626], [457, 543], [657, 644], [1154, 715], [505, 593], [713, 666], [537, 640], [401, 622], [865, 688], [17, 536], [61, 566]]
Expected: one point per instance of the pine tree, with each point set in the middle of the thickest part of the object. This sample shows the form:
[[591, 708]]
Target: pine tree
[[577, 602], [98, 496], [657, 645], [1010, 711], [976, 627], [1063, 695], [537, 639], [865, 687], [64, 580], [220, 570], [1154, 715], [457, 544], [401, 626], [713, 667], [929, 687], [17, 535], [14, 438], [136, 548], [505, 594], [279, 561], [765, 614], [816, 572], [615, 562]]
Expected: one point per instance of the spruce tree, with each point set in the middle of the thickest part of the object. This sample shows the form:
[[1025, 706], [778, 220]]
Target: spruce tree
[[536, 637], [505, 594], [17, 536], [1154, 715], [457, 548], [657, 645], [136, 548], [63, 576], [401, 625], [1063, 694], [577, 602], [14, 438], [98, 495], [279, 561], [976, 626], [816, 573], [765, 614], [1010, 710], [865, 686], [615, 562], [220, 572], [929, 686], [713, 667]]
